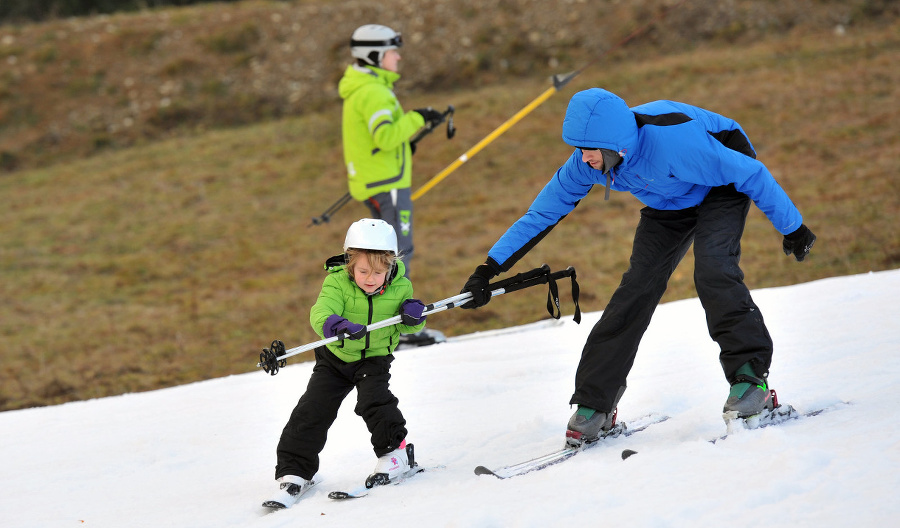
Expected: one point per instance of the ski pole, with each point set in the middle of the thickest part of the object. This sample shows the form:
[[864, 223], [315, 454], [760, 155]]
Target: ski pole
[[326, 216], [275, 357], [559, 81], [429, 127]]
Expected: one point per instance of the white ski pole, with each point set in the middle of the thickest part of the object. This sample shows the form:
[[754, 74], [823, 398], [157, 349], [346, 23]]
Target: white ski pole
[[275, 357]]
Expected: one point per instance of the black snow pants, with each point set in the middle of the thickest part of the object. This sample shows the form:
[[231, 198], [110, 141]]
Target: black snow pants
[[303, 438], [661, 240]]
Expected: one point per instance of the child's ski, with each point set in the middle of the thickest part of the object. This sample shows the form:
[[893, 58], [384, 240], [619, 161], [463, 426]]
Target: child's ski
[[371, 483]]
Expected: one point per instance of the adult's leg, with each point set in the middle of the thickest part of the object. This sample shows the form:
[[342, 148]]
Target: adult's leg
[[303, 438], [396, 208], [660, 242], [733, 319]]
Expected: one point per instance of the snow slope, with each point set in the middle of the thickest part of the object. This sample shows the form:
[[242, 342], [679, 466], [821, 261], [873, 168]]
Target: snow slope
[[203, 455]]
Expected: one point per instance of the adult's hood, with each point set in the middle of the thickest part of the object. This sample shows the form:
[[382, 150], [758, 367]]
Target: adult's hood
[[597, 118]]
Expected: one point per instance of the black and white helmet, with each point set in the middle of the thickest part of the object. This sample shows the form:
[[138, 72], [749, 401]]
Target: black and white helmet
[[369, 43]]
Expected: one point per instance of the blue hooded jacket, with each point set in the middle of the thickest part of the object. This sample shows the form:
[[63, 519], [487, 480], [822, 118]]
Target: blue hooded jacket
[[672, 155]]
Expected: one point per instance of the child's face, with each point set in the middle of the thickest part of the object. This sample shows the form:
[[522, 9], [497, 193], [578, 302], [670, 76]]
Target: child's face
[[367, 277]]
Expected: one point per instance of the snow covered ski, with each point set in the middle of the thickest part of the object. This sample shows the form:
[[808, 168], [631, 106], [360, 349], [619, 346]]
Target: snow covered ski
[[381, 479], [377, 480], [780, 413], [555, 457], [289, 492]]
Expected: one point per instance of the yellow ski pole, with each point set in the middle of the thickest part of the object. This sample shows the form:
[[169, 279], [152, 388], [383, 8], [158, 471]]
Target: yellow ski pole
[[558, 82]]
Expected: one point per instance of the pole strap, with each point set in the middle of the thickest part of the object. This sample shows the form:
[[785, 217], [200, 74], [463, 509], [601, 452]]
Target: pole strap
[[543, 275]]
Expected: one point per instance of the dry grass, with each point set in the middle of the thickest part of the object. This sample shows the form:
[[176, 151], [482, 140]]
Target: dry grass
[[177, 260]]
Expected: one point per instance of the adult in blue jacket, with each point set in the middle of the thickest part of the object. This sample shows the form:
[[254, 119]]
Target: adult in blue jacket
[[696, 172]]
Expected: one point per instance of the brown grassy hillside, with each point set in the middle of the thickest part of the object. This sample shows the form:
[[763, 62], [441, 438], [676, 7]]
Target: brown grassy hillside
[[79, 86], [174, 248]]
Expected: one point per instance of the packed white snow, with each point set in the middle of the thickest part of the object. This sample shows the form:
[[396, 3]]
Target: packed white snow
[[203, 455]]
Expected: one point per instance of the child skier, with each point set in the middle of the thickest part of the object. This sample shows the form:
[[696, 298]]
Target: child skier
[[364, 285]]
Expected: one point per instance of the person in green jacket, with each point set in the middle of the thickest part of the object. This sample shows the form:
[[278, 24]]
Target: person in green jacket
[[364, 285], [376, 131]]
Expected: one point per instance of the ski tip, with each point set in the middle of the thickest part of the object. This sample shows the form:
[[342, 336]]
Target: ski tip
[[481, 470], [272, 505], [627, 453], [341, 495]]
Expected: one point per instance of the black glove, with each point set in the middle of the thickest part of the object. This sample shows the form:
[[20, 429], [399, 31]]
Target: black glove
[[799, 242], [431, 116], [477, 285]]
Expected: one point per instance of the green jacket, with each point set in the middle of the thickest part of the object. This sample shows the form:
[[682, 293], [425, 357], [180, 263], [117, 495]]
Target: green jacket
[[341, 296], [376, 132]]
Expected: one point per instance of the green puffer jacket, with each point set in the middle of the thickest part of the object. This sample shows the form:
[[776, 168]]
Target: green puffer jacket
[[340, 295], [376, 132]]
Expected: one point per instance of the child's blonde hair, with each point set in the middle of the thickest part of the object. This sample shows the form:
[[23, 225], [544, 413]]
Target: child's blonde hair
[[380, 260]]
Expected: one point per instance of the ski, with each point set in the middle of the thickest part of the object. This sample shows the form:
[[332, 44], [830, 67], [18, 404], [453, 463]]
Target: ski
[[568, 452], [378, 480], [780, 414], [286, 501]]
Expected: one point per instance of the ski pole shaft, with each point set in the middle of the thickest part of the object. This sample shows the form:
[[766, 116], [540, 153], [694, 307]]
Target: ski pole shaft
[[523, 280], [435, 307], [558, 82], [325, 217], [483, 143]]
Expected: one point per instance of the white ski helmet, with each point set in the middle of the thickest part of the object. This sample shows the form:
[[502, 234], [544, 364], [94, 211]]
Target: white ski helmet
[[370, 233], [369, 43]]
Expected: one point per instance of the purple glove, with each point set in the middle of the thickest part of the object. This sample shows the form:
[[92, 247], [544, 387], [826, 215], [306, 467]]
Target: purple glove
[[337, 325], [411, 312]]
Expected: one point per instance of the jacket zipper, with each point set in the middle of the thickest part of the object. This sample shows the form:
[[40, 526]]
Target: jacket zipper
[[369, 321]]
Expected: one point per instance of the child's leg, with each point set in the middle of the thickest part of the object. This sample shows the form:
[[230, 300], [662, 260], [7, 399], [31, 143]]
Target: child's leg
[[303, 438], [377, 405]]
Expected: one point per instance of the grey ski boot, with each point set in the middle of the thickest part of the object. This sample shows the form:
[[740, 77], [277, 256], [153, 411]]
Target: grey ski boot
[[587, 426], [749, 394]]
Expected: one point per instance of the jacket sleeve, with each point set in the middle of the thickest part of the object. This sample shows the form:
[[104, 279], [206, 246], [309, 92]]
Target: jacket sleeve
[[387, 124], [329, 302], [709, 162], [569, 185]]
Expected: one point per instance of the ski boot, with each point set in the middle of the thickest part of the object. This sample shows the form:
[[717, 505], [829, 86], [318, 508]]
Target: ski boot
[[393, 466], [587, 426], [290, 489], [749, 394]]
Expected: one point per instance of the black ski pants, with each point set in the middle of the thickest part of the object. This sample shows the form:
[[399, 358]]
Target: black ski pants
[[661, 240], [303, 438]]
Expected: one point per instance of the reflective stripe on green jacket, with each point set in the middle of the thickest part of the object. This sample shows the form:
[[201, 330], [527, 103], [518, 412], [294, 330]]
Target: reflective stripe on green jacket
[[341, 296], [376, 132]]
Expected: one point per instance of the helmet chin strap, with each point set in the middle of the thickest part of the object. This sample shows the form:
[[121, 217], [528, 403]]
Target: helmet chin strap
[[389, 278]]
